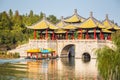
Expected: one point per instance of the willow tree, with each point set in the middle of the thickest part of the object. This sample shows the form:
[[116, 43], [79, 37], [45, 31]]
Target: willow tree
[[109, 60]]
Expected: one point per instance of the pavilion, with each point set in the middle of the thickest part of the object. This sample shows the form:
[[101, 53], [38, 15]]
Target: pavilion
[[74, 27]]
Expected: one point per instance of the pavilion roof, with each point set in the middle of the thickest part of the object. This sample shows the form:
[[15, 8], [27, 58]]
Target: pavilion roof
[[109, 24], [60, 31], [70, 27], [74, 18], [91, 22], [43, 24], [61, 24], [106, 31]]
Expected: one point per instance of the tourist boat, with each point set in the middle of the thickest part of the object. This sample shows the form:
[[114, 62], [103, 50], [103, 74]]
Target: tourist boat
[[42, 53]]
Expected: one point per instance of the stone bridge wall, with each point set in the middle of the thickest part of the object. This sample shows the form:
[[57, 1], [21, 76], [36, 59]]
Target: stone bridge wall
[[81, 46]]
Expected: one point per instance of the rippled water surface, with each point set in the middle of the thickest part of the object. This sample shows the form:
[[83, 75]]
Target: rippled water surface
[[56, 69]]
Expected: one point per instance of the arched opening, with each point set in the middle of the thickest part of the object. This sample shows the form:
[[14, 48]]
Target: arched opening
[[68, 51], [86, 57]]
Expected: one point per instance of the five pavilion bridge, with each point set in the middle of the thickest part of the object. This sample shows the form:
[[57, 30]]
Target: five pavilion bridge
[[71, 36], [66, 48]]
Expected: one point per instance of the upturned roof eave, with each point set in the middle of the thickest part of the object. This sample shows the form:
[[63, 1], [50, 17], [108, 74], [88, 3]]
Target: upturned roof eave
[[40, 26]]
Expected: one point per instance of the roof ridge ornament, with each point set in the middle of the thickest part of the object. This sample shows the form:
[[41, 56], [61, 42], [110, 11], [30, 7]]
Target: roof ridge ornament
[[44, 16], [75, 11], [91, 14], [107, 16], [62, 18], [113, 22]]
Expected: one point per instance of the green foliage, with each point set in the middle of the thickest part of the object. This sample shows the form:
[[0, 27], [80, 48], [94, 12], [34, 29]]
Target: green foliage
[[10, 14], [76, 34], [13, 30], [52, 19], [108, 60], [4, 54], [16, 55], [116, 39], [5, 22]]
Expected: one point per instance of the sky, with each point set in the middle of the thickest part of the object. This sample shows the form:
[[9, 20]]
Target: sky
[[66, 7]]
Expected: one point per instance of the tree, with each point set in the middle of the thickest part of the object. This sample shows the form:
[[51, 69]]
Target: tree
[[52, 19], [5, 22], [108, 60], [41, 15], [31, 13], [10, 14], [13, 29]]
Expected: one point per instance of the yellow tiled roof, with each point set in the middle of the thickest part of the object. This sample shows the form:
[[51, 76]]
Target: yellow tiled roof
[[109, 24], [91, 23], [43, 24], [51, 26], [60, 31], [74, 18], [60, 24], [70, 27], [115, 27], [106, 31]]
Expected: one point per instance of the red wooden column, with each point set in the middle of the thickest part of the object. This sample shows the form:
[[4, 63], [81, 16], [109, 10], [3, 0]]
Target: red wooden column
[[41, 35], [94, 33], [80, 35], [101, 35], [73, 35], [40, 55], [67, 35], [47, 55], [30, 55], [46, 34], [34, 34], [53, 36], [54, 54], [37, 56], [87, 36], [109, 37]]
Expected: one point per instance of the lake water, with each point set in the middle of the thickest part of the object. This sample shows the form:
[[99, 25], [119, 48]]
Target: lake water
[[56, 69]]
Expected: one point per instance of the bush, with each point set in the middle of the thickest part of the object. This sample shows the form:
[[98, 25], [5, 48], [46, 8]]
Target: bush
[[108, 60]]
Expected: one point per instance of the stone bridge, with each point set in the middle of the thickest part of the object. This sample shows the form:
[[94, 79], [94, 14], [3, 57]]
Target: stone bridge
[[64, 48]]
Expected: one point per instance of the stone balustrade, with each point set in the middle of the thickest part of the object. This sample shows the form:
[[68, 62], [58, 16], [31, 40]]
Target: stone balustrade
[[81, 46]]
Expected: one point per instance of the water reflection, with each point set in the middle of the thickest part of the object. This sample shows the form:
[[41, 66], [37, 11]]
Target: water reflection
[[56, 69], [68, 61]]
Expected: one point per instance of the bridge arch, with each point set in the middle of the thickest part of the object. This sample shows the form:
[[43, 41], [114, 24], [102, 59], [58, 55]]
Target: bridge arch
[[68, 51], [86, 57]]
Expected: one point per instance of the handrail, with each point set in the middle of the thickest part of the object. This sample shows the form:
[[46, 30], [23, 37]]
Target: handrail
[[76, 40]]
